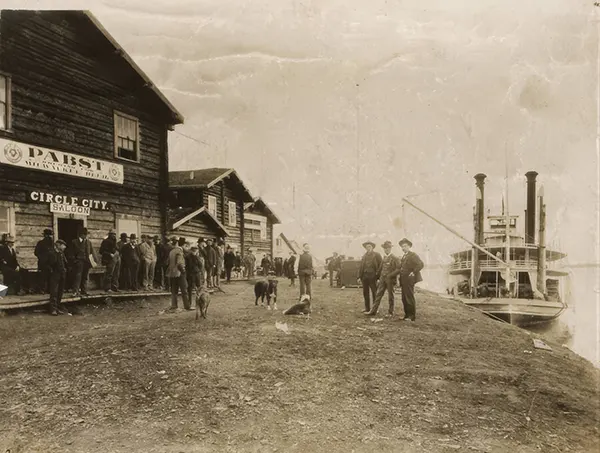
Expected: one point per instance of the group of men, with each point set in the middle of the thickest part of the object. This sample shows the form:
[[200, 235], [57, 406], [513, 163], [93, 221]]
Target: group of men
[[379, 274]]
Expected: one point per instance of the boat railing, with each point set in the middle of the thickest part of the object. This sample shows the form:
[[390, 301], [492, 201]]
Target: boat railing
[[493, 264]]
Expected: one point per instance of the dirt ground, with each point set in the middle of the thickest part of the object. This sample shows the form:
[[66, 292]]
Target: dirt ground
[[127, 378]]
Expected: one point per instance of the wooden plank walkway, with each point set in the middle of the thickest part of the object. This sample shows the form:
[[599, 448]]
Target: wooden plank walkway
[[34, 300]]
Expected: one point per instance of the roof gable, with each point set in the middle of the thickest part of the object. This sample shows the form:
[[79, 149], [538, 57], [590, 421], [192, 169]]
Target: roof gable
[[205, 178], [260, 205]]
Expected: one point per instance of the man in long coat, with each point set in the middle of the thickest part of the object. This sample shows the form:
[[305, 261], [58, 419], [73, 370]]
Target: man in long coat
[[9, 266], [42, 250], [111, 259], [367, 273], [387, 275], [410, 274], [81, 253], [177, 275], [57, 268]]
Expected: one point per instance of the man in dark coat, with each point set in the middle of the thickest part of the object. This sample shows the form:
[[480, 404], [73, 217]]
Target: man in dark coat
[[266, 264], [210, 262], [229, 262], [291, 268], [333, 266], [124, 239], [194, 270], [42, 249], [130, 260], [367, 273], [410, 274], [238, 264], [9, 266], [112, 261], [81, 253], [57, 268], [387, 275], [305, 271]]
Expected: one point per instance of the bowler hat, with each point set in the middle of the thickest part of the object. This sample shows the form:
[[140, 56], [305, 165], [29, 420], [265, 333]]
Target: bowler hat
[[61, 242], [386, 244], [405, 241], [48, 232], [132, 236], [123, 235], [200, 240], [9, 238], [367, 243], [83, 231], [111, 231]]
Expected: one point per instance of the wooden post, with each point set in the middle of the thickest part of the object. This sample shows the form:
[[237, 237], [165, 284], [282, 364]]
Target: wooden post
[[541, 283]]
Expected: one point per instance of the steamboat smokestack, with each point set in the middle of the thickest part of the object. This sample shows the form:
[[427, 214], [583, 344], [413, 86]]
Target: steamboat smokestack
[[479, 209], [530, 212]]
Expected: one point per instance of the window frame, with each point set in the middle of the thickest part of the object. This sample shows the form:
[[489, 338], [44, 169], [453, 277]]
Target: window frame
[[138, 153], [208, 203], [232, 213], [8, 102], [11, 220]]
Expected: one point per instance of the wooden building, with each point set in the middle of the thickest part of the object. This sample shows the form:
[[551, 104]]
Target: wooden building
[[208, 203], [283, 246], [258, 227], [83, 132]]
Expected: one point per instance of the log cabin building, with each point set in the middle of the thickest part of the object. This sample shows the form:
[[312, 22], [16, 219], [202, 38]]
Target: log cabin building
[[83, 133], [258, 227], [208, 203]]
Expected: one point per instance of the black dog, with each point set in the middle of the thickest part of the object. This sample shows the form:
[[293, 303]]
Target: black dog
[[268, 289]]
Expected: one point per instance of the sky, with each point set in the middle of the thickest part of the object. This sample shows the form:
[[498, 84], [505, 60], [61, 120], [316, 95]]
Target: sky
[[334, 110]]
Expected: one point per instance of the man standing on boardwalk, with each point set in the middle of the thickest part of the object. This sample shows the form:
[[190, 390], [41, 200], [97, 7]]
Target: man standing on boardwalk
[[387, 275], [410, 274], [177, 276], [111, 259], [131, 263], [42, 250], [57, 268], [82, 253], [148, 260], [305, 271], [367, 273]]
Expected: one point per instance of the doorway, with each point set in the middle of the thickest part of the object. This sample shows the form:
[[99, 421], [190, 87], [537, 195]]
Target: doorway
[[68, 229]]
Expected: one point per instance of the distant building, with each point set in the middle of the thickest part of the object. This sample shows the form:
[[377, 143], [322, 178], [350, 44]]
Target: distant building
[[283, 246], [208, 203], [258, 227]]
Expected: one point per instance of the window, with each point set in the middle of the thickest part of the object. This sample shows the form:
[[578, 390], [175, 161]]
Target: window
[[7, 220], [5, 102], [212, 205], [263, 230], [129, 226], [127, 137], [278, 242], [232, 213]]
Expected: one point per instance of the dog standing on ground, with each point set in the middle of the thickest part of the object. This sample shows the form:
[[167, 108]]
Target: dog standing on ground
[[268, 289], [301, 308], [202, 303]]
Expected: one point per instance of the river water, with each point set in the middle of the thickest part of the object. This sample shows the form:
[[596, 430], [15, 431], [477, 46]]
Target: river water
[[578, 327]]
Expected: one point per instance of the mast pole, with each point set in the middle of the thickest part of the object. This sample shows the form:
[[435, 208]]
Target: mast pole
[[541, 283], [478, 247], [507, 220]]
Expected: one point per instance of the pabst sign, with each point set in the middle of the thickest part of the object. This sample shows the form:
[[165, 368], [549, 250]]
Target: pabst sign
[[38, 158]]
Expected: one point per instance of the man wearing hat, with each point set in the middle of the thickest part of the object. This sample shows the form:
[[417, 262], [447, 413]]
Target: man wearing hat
[[111, 259], [9, 265], [130, 260], [410, 274], [210, 262], [194, 269], [367, 273], [81, 254], [177, 274], [124, 239], [148, 260], [42, 249], [333, 264], [387, 275], [57, 267]]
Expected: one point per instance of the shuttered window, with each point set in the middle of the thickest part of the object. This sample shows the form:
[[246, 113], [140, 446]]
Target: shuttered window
[[232, 213], [127, 137], [212, 205], [7, 220], [5, 102]]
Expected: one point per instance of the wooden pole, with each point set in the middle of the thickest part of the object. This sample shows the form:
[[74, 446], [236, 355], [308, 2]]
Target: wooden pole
[[478, 247]]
